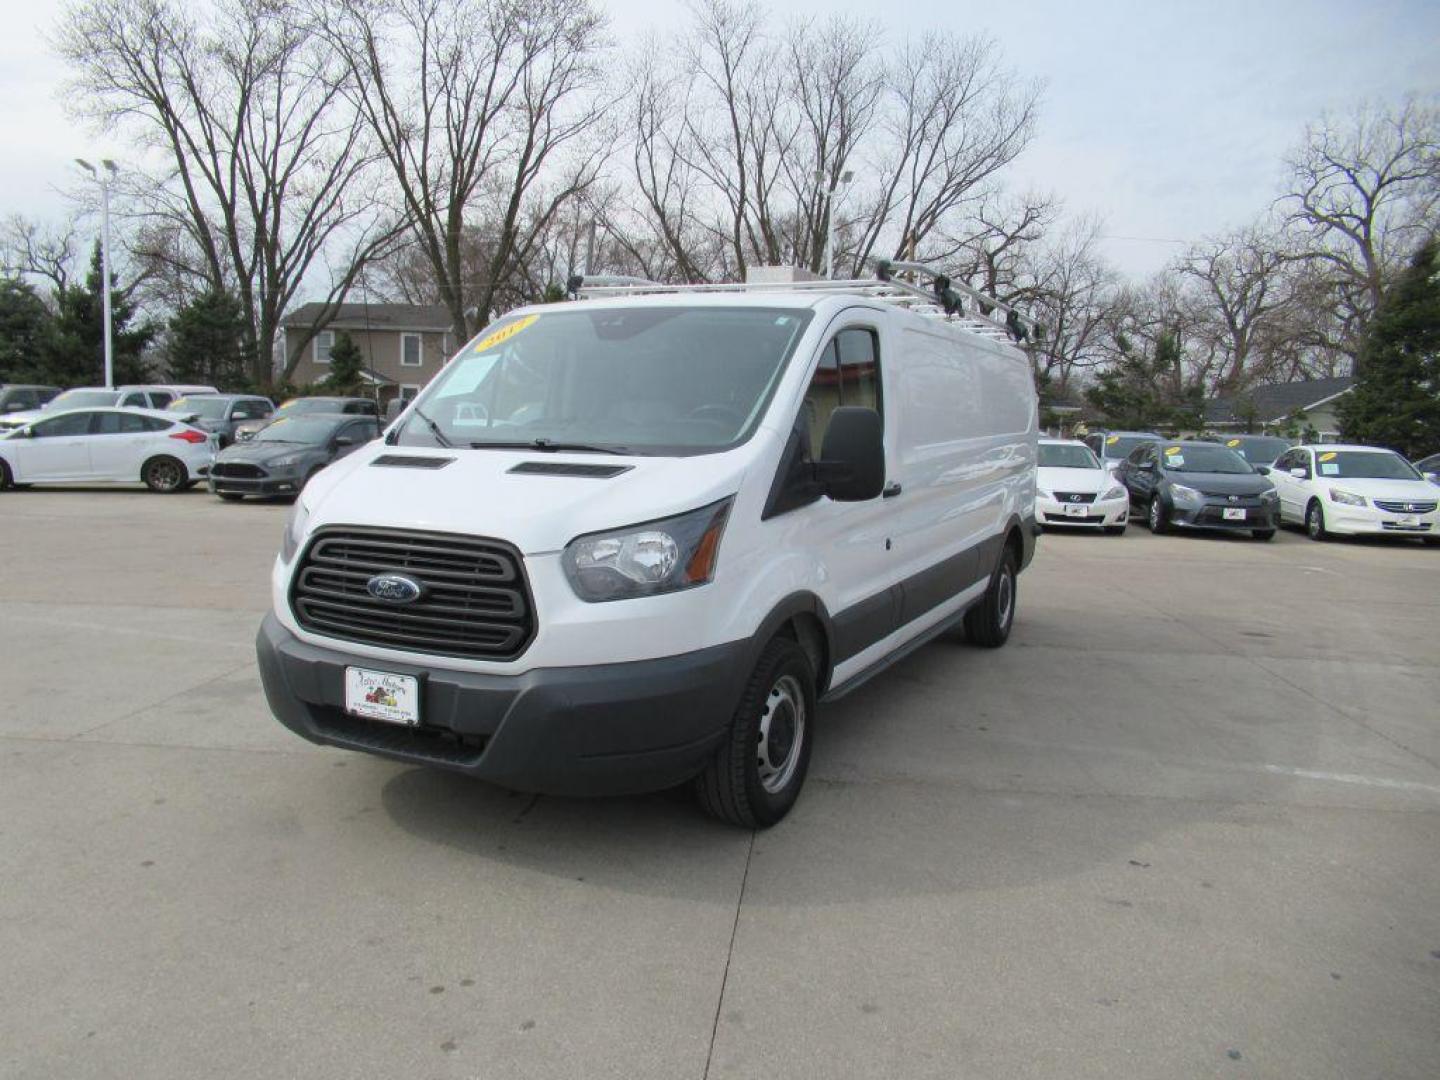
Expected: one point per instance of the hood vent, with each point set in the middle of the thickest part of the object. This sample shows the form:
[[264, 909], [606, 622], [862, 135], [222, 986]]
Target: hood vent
[[563, 468], [412, 461]]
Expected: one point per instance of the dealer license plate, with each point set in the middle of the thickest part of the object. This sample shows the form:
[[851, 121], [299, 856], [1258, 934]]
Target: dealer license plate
[[380, 695], [1076, 510], [1234, 513]]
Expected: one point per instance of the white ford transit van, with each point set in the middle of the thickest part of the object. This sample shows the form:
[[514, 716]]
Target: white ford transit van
[[624, 543]]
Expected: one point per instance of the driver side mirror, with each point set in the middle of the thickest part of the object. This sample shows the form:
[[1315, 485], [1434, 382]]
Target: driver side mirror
[[1263, 470], [1300, 473], [852, 458], [343, 441], [1433, 477]]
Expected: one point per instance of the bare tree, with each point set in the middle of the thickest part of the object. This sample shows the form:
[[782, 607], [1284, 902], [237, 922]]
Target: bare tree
[[269, 178], [35, 250], [1074, 297], [1361, 194]]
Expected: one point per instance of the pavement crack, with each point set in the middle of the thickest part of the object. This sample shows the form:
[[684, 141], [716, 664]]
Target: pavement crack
[[729, 952]]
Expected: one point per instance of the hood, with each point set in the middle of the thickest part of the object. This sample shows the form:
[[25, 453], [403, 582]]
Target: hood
[[1389, 490], [259, 453], [1085, 481], [475, 492], [1222, 483], [10, 421]]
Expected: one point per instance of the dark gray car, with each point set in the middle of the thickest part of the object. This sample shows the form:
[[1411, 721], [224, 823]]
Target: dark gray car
[[1199, 485], [350, 406], [222, 413], [15, 397], [282, 457]]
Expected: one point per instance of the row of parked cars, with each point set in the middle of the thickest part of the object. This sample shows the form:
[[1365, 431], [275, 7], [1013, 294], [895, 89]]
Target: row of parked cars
[[171, 437], [1242, 483]]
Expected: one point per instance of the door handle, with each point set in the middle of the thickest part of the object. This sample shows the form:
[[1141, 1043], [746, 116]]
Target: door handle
[[891, 490]]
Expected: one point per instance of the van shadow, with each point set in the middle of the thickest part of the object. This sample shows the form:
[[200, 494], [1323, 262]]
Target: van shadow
[[959, 769]]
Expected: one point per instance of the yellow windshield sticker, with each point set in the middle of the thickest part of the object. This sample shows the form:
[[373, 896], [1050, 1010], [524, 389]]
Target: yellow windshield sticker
[[504, 334], [1112, 440], [1171, 451], [1232, 442], [1328, 457]]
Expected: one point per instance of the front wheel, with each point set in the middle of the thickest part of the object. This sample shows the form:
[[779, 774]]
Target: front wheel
[[1315, 521], [756, 775], [1158, 519], [988, 623], [164, 474], [7, 478]]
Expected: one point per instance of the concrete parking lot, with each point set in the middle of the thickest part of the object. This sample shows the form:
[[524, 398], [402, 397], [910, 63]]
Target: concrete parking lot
[[1187, 824]]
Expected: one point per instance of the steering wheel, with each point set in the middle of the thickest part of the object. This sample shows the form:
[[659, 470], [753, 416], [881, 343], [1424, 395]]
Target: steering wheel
[[720, 414]]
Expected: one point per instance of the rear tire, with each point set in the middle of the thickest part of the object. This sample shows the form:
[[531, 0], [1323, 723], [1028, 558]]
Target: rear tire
[[7, 480], [1315, 521], [1264, 534], [756, 775], [988, 623], [1157, 517], [165, 475]]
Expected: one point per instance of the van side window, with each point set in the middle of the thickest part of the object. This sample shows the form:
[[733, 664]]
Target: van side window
[[848, 374]]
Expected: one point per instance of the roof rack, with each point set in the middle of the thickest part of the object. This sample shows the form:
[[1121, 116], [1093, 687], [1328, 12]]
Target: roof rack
[[943, 300]]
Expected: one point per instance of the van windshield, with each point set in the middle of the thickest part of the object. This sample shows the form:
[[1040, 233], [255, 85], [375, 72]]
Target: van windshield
[[659, 380]]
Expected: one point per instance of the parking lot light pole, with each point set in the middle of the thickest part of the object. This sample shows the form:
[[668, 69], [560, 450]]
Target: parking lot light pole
[[845, 178], [104, 180]]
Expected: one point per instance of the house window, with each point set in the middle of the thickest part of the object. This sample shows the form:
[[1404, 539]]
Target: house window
[[408, 391], [324, 342], [411, 353]]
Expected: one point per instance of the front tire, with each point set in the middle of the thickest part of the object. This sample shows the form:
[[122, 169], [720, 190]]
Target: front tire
[[758, 771], [1157, 518], [165, 475], [7, 479], [988, 623], [1315, 521]]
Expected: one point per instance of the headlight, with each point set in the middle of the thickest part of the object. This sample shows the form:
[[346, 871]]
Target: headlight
[[1181, 493], [1344, 498], [1270, 496], [294, 530], [286, 462], [1116, 492], [646, 560]]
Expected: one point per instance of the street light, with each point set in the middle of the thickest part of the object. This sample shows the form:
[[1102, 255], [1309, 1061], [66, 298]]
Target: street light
[[845, 178], [104, 180]]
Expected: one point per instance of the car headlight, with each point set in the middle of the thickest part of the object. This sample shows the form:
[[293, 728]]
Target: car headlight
[[1345, 498], [1116, 492], [648, 559], [1270, 496], [287, 462], [294, 530], [1181, 493]]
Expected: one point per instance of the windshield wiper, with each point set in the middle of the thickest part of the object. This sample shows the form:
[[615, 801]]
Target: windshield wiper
[[434, 429], [550, 446]]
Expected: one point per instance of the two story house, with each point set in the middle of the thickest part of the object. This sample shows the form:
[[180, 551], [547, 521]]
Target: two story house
[[404, 345]]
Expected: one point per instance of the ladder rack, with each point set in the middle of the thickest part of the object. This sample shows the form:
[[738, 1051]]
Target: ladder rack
[[944, 300]]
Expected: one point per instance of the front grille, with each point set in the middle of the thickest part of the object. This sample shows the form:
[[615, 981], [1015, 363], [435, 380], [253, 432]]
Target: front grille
[[1405, 507], [1075, 497], [1222, 499], [475, 602], [238, 471]]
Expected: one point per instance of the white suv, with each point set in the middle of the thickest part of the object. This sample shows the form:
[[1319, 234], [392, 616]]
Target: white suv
[[1355, 490], [622, 543]]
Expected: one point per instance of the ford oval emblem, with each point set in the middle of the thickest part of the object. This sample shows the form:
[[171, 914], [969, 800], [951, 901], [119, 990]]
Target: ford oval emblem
[[394, 588]]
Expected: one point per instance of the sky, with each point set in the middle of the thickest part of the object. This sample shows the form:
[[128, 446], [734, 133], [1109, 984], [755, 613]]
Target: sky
[[1167, 118]]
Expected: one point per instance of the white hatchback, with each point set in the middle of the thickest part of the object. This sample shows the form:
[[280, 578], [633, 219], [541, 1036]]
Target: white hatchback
[[107, 445], [1073, 488], [1355, 490]]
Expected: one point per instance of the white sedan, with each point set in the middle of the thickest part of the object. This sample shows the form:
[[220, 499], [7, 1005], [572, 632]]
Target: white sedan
[[1073, 488], [107, 445], [1355, 490]]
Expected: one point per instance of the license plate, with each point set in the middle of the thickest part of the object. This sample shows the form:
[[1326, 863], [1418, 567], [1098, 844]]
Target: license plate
[[1236, 513], [380, 695], [1076, 511]]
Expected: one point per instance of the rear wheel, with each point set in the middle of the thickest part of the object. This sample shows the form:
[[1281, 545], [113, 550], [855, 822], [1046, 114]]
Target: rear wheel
[[1158, 519], [756, 775], [988, 623], [164, 474], [7, 479], [1315, 521]]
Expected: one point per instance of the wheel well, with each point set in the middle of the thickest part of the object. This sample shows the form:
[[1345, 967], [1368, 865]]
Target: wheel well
[[806, 630], [1016, 544]]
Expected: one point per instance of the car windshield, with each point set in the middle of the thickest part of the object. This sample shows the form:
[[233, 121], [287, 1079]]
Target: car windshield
[[1203, 458], [1119, 446], [660, 380], [1365, 465], [301, 406], [83, 399], [311, 430], [1064, 456], [1258, 449], [212, 408]]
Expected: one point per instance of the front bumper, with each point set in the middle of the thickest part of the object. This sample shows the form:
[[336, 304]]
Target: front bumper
[[245, 485], [1097, 515], [600, 730], [1211, 515], [1369, 521]]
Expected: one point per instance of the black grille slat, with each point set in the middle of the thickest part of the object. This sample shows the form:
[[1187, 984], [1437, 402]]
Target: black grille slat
[[238, 471], [475, 602]]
